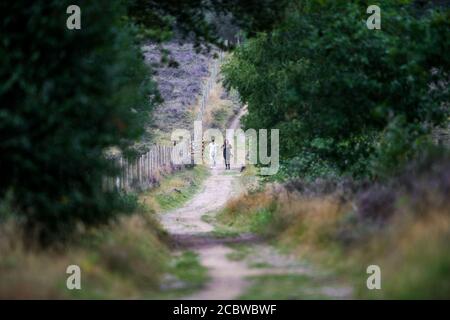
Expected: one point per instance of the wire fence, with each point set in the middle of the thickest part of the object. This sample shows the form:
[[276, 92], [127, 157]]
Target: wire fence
[[144, 171]]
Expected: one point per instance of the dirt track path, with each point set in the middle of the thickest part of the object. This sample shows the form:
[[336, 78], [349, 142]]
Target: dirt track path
[[228, 278], [186, 226], [219, 187]]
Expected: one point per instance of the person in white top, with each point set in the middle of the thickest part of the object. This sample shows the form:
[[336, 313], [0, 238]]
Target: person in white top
[[212, 152]]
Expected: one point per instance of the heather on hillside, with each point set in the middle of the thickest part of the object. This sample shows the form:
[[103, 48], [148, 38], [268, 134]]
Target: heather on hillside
[[179, 72]]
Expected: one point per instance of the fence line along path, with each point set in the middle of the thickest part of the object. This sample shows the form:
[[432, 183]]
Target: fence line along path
[[142, 172]]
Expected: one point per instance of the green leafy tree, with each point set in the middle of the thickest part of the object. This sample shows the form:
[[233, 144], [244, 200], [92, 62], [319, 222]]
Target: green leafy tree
[[66, 96], [331, 85], [198, 19]]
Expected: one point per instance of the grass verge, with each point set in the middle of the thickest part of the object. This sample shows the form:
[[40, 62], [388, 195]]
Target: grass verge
[[127, 259], [411, 247]]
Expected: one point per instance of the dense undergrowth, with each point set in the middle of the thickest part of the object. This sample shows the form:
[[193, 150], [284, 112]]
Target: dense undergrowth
[[401, 225], [129, 258]]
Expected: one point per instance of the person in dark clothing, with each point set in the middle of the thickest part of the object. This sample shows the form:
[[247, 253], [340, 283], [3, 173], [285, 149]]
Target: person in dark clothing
[[226, 154]]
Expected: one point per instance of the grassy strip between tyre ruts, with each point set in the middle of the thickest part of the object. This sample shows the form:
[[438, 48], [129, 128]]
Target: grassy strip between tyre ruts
[[127, 259]]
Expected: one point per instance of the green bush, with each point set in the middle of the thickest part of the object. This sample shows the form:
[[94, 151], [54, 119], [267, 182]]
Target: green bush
[[399, 144], [67, 95], [306, 166]]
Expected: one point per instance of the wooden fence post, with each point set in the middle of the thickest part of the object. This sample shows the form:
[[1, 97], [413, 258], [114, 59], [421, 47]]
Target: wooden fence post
[[125, 174], [145, 169], [139, 162], [122, 174], [149, 165]]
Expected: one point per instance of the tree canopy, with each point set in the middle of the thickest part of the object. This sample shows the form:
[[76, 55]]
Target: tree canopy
[[334, 87]]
